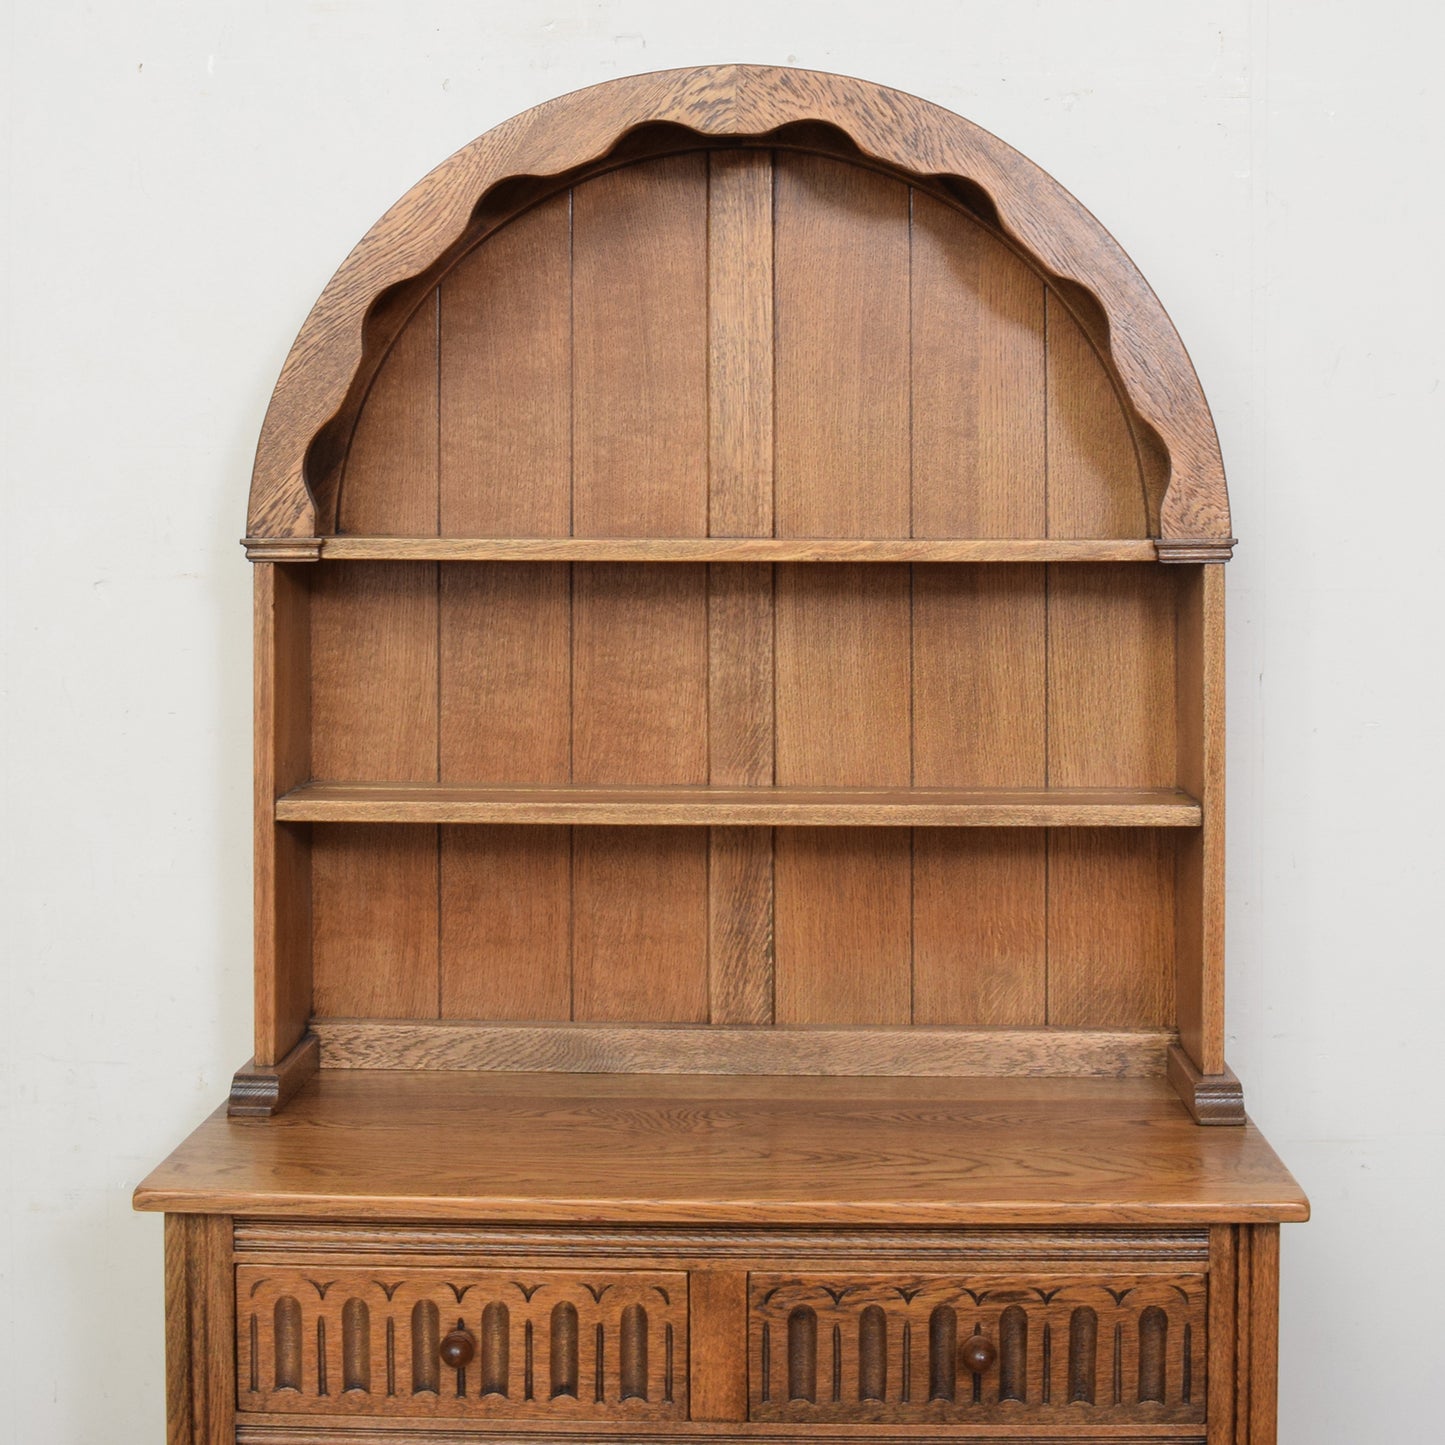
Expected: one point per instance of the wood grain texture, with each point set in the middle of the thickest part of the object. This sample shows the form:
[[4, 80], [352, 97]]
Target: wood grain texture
[[977, 383], [1199, 900], [604, 1345], [640, 924], [640, 431], [374, 921], [505, 421], [281, 870], [731, 549], [1111, 677], [1096, 487], [200, 1339], [863, 1051], [374, 672], [718, 1335], [898, 130], [537, 1148], [843, 676], [979, 928], [740, 343], [388, 482], [1216, 1099], [260, 1090], [506, 923], [1111, 928], [639, 679], [843, 944], [841, 398], [719, 806]]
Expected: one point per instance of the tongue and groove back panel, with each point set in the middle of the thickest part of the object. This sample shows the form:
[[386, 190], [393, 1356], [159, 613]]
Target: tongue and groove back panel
[[746, 342]]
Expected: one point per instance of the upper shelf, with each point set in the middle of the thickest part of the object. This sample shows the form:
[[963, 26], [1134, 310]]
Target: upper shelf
[[703, 806], [715, 549]]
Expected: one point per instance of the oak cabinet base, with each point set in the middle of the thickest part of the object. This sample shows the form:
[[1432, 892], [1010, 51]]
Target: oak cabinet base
[[306, 1331]]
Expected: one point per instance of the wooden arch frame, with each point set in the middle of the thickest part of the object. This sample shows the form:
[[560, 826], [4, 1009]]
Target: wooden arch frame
[[888, 127]]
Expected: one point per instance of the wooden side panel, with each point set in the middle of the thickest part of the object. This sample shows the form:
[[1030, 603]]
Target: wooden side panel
[[374, 672], [841, 257], [1111, 928], [640, 338], [374, 921], [740, 339], [1096, 486], [641, 925], [200, 1330], [506, 381], [282, 869], [978, 381], [389, 480], [1111, 676], [1199, 898]]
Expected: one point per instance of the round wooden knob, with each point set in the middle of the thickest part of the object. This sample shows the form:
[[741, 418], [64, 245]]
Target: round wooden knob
[[977, 1354], [459, 1349]]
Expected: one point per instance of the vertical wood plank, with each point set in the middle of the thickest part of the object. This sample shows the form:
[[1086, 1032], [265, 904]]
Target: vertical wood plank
[[843, 926], [842, 384], [740, 342], [1111, 928], [282, 872], [374, 921], [640, 929], [640, 669], [1223, 1313], [506, 923], [505, 672], [740, 748], [1199, 897], [640, 428], [200, 1330], [1096, 486], [506, 381], [979, 909], [374, 671], [979, 667], [1263, 1305], [717, 1305], [978, 381], [843, 676], [506, 893], [1111, 677], [388, 484]]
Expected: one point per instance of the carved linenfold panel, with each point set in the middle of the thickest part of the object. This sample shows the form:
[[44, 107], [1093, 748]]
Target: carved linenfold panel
[[893, 1349], [544, 1344]]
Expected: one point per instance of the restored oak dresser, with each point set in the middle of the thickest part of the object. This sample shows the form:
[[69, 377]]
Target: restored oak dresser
[[739, 564]]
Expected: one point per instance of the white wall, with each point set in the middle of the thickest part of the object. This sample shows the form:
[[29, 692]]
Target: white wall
[[183, 177]]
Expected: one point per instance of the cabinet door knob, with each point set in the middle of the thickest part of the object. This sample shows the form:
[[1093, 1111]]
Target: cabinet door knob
[[977, 1354], [459, 1349]]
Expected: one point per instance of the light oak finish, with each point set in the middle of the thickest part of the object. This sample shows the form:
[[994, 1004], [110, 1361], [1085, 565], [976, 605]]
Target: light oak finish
[[680, 1150], [718, 806], [719, 1049], [738, 817]]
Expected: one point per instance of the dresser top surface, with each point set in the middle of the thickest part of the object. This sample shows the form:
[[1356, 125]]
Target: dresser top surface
[[582, 1148]]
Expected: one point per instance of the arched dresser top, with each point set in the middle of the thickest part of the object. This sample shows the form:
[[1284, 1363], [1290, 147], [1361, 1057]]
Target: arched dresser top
[[515, 168]]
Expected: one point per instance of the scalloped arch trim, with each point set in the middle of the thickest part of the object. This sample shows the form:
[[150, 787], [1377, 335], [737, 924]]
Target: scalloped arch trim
[[889, 127]]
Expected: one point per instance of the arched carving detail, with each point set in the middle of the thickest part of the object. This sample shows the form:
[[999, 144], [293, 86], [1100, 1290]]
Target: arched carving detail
[[373, 293]]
